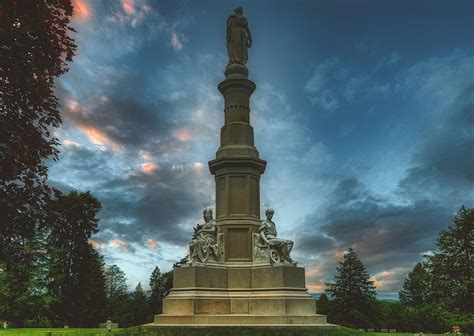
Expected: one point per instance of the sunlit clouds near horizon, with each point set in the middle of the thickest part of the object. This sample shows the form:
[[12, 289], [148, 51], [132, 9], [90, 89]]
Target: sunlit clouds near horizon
[[363, 112]]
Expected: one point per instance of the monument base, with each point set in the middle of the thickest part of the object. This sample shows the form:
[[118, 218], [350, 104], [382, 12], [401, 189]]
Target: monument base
[[234, 295]]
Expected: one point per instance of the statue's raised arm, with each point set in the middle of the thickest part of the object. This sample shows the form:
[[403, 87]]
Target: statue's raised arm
[[238, 37]]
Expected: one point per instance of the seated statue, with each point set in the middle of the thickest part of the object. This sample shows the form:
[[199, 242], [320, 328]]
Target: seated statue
[[268, 234], [204, 241]]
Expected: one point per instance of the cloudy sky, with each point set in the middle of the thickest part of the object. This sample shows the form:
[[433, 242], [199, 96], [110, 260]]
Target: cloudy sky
[[363, 110]]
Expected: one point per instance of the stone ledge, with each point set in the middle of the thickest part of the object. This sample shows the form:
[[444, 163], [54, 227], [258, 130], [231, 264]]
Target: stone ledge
[[244, 319]]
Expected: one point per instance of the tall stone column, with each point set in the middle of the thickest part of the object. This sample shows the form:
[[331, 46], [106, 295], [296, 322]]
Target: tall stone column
[[237, 168]]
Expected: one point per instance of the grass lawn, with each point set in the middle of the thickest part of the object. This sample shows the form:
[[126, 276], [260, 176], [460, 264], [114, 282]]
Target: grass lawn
[[202, 331]]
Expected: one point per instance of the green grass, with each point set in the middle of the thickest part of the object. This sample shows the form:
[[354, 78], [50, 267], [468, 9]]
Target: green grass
[[196, 331]]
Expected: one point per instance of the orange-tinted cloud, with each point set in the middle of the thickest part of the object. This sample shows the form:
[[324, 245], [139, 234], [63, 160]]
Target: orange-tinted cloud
[[81, 9], [149, 167], [152, 244], [128, 6], [317, 287], [119, 245], [96, 244], [98, 137]]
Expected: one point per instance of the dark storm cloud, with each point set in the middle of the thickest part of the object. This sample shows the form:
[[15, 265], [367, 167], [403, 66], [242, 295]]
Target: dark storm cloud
[[444, 165], [381, 232], [142, 206]]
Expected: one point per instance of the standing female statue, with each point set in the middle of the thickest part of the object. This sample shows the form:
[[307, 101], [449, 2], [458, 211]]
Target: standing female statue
[[204, 242], [238, 37]]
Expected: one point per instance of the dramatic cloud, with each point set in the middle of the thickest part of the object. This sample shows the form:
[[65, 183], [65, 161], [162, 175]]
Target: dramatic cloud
[[382, 172]]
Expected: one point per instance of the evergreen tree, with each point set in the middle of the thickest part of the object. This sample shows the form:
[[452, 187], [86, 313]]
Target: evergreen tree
[[118, 302], [323, 304], [414, 289], [139, 306], [160, 284], [75, 269], [353, 292], [157, 289], [451, 266]]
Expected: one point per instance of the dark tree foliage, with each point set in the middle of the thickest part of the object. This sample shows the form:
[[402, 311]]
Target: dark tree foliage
[[160, 284], [139, 307], [451, 266], [156, 297], [76, 279], [322, 304], [415, 287], [118, 299], [35, 48], [353, 292]]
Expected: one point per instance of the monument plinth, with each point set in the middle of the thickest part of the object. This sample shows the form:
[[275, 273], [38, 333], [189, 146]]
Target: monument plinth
[[238, 270]]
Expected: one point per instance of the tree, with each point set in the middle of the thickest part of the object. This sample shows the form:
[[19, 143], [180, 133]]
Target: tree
[[156, 297], [160, 284], [139, 306], [36, 47], [414, 289], [451, 266], [322, 304], [76, 279], [117, 295], [353, 292]]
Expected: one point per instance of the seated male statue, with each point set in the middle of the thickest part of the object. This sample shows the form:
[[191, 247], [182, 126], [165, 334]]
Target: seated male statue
[[268, 233], [204, 241]]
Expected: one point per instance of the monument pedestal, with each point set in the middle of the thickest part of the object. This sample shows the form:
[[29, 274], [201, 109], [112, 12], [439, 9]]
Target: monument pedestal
[[236, 294]]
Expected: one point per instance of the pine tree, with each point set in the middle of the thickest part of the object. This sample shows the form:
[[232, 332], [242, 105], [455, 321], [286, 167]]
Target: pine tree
[[451, 266], [353, 292], [118, 300], [157, 289], [139, 306], [414, 289], [160, 284]]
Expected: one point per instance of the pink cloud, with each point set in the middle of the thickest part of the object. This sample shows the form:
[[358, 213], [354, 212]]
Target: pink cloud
[[149, 167], [119, 244], [98, 137], [152, 244], [81, 9]]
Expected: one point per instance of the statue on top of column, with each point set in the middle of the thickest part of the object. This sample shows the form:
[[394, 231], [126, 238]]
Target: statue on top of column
[[238, 37]]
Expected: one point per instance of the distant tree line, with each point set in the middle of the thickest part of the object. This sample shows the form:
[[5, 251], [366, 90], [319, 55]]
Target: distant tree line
[[436, 295]]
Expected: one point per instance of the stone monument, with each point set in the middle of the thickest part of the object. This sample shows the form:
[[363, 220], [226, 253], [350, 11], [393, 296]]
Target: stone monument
[[238, 270]]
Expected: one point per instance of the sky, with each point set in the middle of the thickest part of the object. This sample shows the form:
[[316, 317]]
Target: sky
[[364, 111]]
